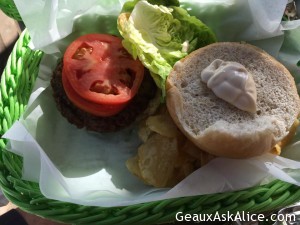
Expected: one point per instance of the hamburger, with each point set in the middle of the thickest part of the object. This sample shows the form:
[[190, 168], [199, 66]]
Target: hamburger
[[232, 99]]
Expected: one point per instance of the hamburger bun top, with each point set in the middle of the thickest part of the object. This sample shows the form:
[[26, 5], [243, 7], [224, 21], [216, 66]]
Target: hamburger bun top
[[219, 127]]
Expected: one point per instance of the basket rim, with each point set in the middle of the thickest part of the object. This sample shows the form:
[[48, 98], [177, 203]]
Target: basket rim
[[17, 78]]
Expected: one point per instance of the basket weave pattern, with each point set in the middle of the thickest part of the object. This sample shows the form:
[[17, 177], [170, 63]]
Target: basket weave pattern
[[16, 84], [10, 9]]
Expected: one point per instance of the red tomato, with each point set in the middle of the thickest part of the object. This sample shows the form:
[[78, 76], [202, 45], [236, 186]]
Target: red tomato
[[99, 76]]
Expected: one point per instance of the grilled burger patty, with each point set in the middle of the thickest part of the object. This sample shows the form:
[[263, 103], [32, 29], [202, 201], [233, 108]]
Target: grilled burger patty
[[83, 119]]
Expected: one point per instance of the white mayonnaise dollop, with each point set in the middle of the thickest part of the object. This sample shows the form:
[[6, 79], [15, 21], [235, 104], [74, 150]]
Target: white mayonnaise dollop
[[231, 82]]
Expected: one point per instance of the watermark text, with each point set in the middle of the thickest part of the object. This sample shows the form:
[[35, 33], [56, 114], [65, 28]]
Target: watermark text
[[229, 217]]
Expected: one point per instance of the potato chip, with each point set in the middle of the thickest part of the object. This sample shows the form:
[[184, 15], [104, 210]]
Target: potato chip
[[180, 173], [197, 153], [133, 166], [156, 159], [276, 150], [166, 156], [152, 107], [144, 131], [185, 165], [163, 125], [191, 149]]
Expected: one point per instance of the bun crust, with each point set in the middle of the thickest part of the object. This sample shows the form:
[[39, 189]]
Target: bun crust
[[217, 126]]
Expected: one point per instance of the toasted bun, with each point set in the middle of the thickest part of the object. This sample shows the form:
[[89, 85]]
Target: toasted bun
[[219, 127]]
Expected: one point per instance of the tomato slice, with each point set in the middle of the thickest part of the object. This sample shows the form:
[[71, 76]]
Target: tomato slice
[[91, 107], [98, 70]]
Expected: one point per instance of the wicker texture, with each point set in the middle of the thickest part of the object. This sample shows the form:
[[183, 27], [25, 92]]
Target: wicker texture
[[16, 84], [10, 9]]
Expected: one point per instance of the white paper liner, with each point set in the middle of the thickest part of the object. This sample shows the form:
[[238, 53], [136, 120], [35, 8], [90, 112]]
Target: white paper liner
[[86, 168]]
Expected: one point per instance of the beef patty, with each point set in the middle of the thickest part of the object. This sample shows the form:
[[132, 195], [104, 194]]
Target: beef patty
[[91, 122]]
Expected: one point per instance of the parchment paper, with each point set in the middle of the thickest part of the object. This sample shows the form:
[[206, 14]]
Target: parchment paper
[[87, 168]]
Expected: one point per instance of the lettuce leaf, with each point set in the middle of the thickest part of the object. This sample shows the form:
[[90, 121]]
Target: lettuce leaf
[[161, 35], [129, 5]]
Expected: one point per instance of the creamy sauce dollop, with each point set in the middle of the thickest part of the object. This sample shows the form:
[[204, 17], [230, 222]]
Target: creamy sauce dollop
[[231, 82]]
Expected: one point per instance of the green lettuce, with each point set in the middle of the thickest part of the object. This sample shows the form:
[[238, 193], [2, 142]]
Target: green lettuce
[[129, 5], [160, 35]]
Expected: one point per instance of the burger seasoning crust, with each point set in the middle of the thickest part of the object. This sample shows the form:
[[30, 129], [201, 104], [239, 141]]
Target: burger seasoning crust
[[83, 119]]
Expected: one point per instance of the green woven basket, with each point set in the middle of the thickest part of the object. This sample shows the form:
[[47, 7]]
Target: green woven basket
[[16, 83], [10, 9]]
